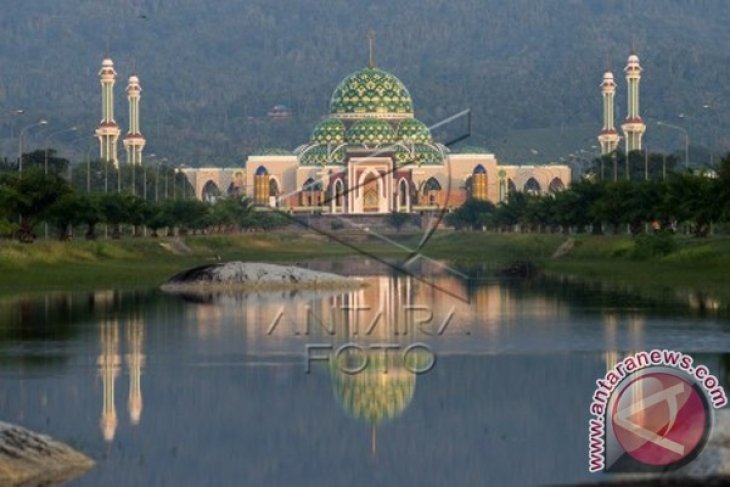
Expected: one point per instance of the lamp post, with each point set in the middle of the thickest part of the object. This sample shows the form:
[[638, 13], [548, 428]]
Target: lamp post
[[144, 169], [20, 142], [686, 139], [45, 144]]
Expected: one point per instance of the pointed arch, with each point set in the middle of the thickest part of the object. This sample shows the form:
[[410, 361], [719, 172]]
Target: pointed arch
[[404, 195], [432, 192], [556, 185], [311, 193], [211, 192], [532, 187]]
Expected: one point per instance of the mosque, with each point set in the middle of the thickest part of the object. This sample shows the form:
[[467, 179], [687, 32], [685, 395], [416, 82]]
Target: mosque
[[371, 155]]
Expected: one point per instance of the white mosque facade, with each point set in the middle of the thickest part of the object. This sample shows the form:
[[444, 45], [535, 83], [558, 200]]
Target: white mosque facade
[[371, 155]]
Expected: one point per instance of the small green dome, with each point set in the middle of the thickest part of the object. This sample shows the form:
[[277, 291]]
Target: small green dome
[[330, 131], [428, 154], [371, 132], [371, 92], [412, 131], [321, 155]]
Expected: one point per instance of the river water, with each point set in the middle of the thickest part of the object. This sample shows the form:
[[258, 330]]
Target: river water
[[217, 390]]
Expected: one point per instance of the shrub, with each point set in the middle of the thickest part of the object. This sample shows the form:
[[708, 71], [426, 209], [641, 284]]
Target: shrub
[[654, 245]]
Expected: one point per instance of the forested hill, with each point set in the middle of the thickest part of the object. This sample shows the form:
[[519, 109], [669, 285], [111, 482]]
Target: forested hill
[[212, 69]]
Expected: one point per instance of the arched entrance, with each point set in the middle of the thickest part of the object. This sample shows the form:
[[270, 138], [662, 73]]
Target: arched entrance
[[432, 192], [532, 187], [370, 194], [211, 192], [311, 194]]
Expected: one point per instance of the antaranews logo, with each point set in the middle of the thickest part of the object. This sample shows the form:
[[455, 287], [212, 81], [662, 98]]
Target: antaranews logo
[[652, 412]]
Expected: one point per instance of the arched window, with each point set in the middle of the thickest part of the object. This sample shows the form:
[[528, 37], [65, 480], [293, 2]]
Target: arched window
[[511, 186], [556, 185], [261, 186], [403, 194], [339, 189], [479, 183], [532, 187]]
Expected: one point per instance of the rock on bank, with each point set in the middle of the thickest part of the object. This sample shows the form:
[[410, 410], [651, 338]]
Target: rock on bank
[[232, 276], [28, 458]]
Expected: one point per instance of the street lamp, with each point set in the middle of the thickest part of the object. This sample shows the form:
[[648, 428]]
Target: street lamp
[[20, 142], [686, 139], [45, 144]]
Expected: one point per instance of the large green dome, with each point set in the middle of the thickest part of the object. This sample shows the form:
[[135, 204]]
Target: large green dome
[[371, 92]]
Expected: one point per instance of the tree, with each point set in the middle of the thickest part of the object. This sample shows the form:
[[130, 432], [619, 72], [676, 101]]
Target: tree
[[29, 196], [473, 214], [91, 214], [115, 208], [67, 212]]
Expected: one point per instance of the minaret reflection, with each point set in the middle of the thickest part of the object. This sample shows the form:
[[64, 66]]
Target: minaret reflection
[[610, 355], [135, 362], [109, 362]]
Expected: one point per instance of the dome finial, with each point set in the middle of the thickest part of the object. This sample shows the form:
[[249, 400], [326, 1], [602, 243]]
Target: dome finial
[[371, 46]]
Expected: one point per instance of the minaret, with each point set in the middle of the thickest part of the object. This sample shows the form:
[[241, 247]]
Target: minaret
[[108, 131], [634, 126], [134, 141], [608, 138], [109, 362], [135, 360]]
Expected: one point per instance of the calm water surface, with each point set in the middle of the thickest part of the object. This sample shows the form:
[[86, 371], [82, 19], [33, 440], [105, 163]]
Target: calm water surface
[[213, 390]]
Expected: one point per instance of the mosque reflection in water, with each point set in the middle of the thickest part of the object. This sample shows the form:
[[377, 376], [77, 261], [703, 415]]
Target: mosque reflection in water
[[274, 328]]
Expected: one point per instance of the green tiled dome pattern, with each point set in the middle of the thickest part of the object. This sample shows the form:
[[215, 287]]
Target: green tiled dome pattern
[[330, 131], [371, 132], [371, 92], [413, 131]]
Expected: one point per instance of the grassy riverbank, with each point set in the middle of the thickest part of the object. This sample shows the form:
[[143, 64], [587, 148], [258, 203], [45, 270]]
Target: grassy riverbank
[[128, 263]]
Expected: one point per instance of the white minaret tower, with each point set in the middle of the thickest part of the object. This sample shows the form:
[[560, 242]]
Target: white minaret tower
[[634, 126], [108, 131], [134, 141], [608, 138]]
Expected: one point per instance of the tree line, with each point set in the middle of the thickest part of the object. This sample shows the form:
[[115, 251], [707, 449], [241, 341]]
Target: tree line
[[683, 201], [53, 197]]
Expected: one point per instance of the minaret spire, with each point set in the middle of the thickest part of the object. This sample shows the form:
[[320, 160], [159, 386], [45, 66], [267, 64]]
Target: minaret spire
[[371, 48], [634, 126], [134, 142], [608, 138], [108, 131]]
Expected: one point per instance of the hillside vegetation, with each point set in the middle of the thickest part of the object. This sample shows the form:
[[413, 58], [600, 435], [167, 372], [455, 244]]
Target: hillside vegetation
[[212, 70]]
